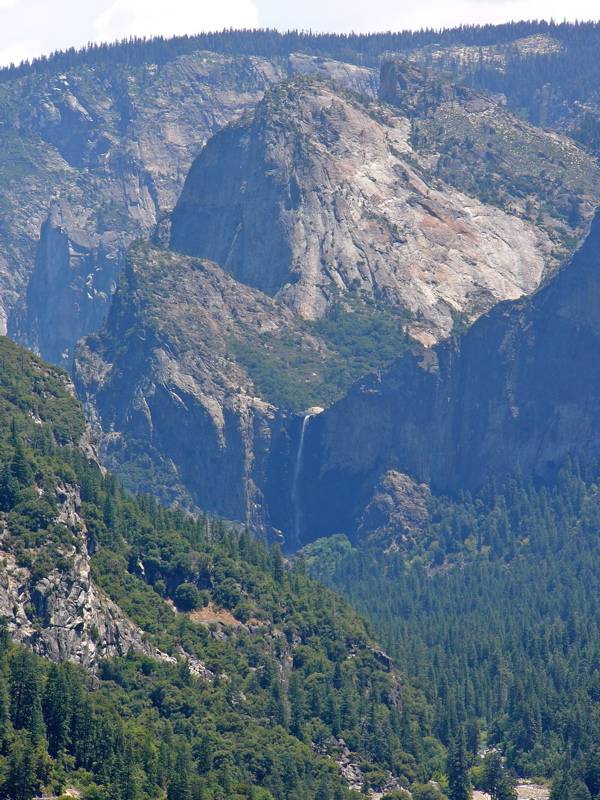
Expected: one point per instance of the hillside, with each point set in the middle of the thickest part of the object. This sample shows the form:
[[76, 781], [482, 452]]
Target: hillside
[[353, 48], [188, 383], [96, 145], [492, 606], [319, 240], [92, 160], [94, 157], [483, 149], [517, 394], [332, 306], [208, 649], [548, 74]]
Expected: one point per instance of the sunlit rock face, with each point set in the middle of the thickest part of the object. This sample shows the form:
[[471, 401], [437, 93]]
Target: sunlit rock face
[[517, 394], [317, 195]]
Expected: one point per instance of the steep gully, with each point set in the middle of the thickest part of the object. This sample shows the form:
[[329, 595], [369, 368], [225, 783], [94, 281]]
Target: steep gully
[[297, 469]]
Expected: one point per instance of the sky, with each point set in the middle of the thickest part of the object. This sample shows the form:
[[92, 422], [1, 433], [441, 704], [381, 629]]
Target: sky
[[31, 27]]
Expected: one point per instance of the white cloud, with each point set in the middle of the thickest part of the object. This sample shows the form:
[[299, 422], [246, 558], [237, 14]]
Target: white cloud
[[7, 4], [172, 17], [19, 51]]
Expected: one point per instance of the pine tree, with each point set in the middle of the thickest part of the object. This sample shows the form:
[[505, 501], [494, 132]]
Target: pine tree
[[278, 564], [297, 702], [20, 465], [180, 785], [472, 736], [495, 779], [9, 488], [4, 643], [5, 725], [25, 695], [21, 781], [83, 731], [323, 790], [57, 709], [458, 768]]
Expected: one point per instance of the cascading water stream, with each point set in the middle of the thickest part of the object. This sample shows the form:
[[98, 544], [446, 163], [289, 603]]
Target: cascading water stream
[[297, 471]]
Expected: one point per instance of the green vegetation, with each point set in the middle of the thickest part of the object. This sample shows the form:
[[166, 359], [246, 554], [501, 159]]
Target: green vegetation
[[494, 610], [284, 371], [364, 49], [296, 669], [60, 729], [37, 415], [359, 337], [256, 697]]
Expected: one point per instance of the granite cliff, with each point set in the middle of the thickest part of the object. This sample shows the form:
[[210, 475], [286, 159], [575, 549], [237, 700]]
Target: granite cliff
[[517, 394], [312, 216], [94, 158], [316, 194], [163, 382]]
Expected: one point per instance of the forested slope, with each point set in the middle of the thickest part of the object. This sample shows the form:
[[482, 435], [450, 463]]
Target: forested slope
[[494, 608], [224, 673]]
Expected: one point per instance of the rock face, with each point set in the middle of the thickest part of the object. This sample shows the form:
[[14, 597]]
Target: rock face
[[397, 508], [163, 382], [316, 194], [476, 145], [72, 284], [312, 197], [93, 159], [316, 197], [79, 622], [519, 392], [361, 80]]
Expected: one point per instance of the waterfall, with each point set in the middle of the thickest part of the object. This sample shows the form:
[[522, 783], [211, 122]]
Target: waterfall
[[297, 471]]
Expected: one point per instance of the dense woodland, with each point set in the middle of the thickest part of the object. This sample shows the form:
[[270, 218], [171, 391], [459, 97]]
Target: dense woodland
[[291, 674], [494, 608], [366, 49]]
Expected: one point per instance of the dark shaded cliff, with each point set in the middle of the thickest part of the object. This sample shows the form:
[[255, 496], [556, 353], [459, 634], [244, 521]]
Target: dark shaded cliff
[[518, 393]]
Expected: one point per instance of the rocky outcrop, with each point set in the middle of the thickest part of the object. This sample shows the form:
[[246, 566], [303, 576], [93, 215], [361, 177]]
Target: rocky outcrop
[[317, 195], [93, 159], [163, 382], [518, 393], [398, 509], [64, 616], [103, 155], [478, 146], [71, 287], [361, 80]]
